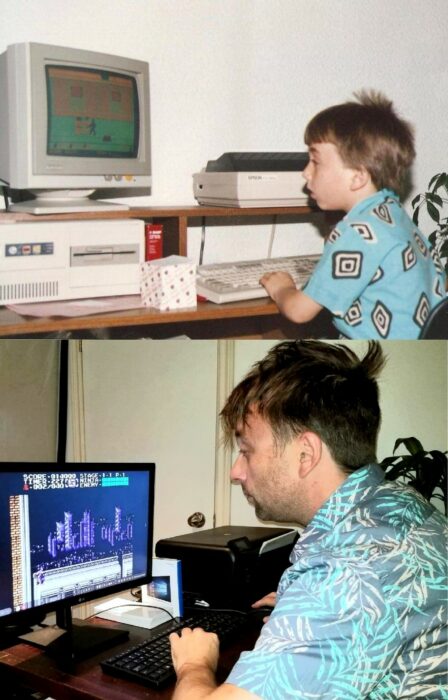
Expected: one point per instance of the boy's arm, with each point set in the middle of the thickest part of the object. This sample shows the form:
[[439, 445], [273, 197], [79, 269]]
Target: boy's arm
[[292, 302]]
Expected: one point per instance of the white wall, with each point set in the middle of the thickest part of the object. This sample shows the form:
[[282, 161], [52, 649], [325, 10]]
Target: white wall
[[29, 400], [248, 75], [154, 401]]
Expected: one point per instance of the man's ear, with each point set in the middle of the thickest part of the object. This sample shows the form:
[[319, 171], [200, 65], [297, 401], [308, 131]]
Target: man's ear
[[360, 178], [309, 446]]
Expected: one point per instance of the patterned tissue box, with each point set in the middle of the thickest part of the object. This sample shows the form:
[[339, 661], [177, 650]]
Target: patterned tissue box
[[168, 283]]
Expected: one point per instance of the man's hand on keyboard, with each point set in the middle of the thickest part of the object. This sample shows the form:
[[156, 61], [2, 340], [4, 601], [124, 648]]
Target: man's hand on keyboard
[[195, 658], [194, 647], [276, 282]]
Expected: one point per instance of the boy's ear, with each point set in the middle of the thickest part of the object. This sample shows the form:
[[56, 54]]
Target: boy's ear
[[309, 452], [360, 178]]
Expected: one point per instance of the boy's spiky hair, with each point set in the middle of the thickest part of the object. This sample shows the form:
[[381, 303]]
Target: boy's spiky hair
[[368, 133]]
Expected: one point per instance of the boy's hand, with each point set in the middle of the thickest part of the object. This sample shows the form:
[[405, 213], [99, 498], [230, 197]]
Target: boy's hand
[[195, 647], [277, 282]]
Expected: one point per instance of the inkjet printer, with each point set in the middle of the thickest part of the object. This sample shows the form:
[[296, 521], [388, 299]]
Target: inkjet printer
[[252, 180], [230, 566]]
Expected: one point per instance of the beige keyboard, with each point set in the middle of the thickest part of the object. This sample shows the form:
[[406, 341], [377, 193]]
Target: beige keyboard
[[237, 281]]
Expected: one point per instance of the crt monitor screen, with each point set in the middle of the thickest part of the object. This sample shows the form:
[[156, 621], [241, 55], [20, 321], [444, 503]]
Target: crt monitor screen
[[71, 533], [91, 113], [73, 122]]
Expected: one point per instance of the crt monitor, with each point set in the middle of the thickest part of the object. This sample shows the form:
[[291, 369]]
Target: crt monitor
[[71, 533], [72, 121]]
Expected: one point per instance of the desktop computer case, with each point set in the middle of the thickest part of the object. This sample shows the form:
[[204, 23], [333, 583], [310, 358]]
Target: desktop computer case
[[57, 260], [230, 566]]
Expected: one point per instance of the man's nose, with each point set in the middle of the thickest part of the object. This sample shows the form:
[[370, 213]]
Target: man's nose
[[237, 472]]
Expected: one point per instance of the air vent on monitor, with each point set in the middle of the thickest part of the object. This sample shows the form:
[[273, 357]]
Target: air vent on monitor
[[28, 291]]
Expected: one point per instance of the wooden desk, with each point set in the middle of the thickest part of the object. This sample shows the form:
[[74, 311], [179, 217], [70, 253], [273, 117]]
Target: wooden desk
[[25, 665], [254, 318]]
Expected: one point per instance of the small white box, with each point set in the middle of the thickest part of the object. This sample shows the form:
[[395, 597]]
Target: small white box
[[168, 283], [165, 589], [131, 613]]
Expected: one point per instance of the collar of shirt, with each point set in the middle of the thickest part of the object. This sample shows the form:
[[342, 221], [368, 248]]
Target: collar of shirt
[[373, 200], [341, 502]]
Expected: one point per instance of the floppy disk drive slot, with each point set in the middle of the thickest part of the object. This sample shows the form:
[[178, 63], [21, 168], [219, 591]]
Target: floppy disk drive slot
[[119, 254]]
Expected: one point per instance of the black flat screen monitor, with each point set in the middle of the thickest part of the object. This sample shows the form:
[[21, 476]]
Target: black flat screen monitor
[[71, 533]]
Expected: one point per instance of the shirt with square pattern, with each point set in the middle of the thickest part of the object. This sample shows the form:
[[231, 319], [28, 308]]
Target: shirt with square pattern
[[377, 275]]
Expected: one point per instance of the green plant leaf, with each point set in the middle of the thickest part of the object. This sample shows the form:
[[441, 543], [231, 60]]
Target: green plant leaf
[[437, 181], [434, 179], [441, 180], [410, 443], [387, 461], [433, 211], [415, 216], [435, 199], [425, 470]]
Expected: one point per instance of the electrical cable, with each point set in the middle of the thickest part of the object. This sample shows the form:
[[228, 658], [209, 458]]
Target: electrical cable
[[5, 191], [270, 245], [272, 236], [201, 251], [133, 605]]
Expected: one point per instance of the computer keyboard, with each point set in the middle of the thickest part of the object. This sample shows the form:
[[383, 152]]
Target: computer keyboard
[[237, 281], [150, 662]]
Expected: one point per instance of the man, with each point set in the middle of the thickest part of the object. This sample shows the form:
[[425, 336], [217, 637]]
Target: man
[[361, 611]]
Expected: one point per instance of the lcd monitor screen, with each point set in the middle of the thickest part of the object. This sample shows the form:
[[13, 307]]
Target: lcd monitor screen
[[73, 535]]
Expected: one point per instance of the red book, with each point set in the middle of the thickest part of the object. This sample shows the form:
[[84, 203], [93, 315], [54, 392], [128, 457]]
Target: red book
[[153, 241]]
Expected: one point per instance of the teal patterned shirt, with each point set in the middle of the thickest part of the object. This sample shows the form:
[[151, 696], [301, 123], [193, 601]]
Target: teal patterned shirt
[[362, 612], [377, 274]]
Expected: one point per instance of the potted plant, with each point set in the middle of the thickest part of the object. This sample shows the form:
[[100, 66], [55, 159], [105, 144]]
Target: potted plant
[[425, 470], [434, 201]]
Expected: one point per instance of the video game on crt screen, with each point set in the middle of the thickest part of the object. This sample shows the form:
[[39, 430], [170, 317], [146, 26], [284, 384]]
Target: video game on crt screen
[[91, 112]]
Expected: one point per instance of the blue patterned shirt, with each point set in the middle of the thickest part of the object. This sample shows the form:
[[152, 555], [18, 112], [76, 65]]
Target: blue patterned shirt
[[361, 613], [377, 275]]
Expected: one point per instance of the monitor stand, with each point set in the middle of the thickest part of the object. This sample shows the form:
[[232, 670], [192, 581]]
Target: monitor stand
[[64, 202], [70, 641]]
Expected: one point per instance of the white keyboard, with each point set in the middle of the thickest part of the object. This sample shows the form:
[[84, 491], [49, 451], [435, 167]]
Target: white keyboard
[[237, 281]]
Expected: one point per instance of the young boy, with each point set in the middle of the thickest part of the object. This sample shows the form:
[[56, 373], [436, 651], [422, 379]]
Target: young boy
[[377, 274]]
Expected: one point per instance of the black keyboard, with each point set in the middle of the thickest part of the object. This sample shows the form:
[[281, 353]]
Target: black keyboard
[[150, 661]]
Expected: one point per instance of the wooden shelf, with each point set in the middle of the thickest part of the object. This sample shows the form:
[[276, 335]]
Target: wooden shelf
[[175, 220], [188, 211]]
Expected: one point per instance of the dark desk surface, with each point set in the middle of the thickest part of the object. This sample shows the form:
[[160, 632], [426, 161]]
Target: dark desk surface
[[26, 665]]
